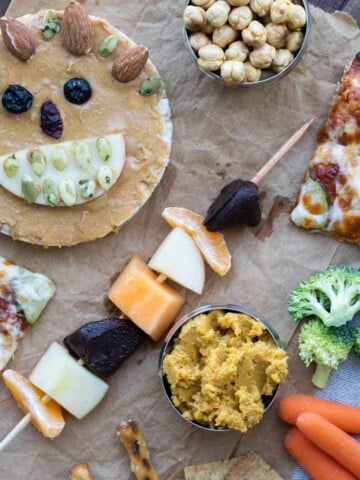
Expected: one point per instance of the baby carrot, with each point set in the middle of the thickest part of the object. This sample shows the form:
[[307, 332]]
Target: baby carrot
[[343, 416], [332, 440], [314, 461]]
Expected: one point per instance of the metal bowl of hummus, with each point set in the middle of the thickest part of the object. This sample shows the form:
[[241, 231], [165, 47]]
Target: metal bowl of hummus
[[221, 367]]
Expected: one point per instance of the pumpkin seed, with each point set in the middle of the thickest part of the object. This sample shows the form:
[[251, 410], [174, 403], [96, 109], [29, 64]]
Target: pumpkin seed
[[67, 192], [150, 86], [38, 162], [108, 45], [51, 25], [103, 147], [105, 177], [60, 159], [51, 192], [11, 165], [82, 156], [87, 188], [30, 189]]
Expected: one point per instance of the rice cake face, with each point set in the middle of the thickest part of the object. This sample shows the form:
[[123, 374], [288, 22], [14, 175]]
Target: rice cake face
[[113, 107]]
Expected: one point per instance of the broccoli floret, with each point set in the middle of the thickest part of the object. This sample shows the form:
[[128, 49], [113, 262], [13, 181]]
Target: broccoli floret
[[333, 296], [357, 342], [326, 346]]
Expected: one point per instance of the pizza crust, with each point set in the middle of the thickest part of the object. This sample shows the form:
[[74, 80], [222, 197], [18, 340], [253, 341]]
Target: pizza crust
[[145, 121], [329, 199]]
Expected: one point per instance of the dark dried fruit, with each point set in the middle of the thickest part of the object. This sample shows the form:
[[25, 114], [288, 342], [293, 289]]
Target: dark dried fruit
[[50, 120], [105, 344], [17, 99], [77, 90], [237, 203]]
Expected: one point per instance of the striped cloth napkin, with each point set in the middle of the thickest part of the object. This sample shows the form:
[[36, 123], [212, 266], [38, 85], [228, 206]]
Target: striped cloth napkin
[[343, 386]]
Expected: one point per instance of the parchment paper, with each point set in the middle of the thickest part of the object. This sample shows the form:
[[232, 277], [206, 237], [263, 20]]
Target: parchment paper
[[219, 134]]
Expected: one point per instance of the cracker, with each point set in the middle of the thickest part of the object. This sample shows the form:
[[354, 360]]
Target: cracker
[[247, 467]]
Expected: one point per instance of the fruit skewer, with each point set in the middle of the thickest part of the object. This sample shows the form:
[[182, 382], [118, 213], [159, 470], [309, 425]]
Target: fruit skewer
[[238, 202], [154, 287]]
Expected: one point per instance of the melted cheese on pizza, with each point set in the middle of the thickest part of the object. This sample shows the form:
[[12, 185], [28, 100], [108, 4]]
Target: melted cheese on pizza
[[12, 329], [329, 199]]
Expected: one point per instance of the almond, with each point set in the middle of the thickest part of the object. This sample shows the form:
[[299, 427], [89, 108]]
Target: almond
[[18, 38], [76, 30], [128, 65]]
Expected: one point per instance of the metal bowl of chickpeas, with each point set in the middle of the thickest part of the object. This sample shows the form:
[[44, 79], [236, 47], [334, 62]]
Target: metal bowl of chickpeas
[[246, 43]]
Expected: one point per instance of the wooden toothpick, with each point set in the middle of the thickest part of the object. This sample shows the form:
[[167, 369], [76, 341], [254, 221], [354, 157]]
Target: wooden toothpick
[[281, 152]]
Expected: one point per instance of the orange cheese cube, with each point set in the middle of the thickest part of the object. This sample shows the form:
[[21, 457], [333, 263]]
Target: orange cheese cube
[[151, 305]]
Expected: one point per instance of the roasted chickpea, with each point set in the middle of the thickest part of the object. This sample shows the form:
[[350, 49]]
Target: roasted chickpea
[[252, 74], [279, 10], [237, 51], [198, 40], [238, 3], [194, 18], [205, 4], [255, 34], [218, 13], [224, 35], [276, 34], [294, 41], [211, 57], [296, 17], [263, 56], [233, 71], [282, 59], [240, 17], [260, 7]]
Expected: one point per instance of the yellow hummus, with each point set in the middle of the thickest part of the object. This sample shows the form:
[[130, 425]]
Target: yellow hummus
[[113, 107], [221, 365]]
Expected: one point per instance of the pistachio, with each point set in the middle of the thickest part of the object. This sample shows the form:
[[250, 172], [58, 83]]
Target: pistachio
[[67, 192], [82, 156], [150, 86], [11, 165], [60, 159], [51, 25], [87, 188], [108, 45], [103, 147], [51, 192], [30, 188], [38, 162], [105, 177]]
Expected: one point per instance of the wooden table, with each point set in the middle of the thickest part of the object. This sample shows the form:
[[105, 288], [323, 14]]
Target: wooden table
[[350, 6]]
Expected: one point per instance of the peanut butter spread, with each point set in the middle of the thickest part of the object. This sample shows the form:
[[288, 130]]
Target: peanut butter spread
[[113, 107]]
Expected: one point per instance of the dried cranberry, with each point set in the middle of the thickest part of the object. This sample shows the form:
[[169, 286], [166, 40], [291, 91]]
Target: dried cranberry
[[77, 90], [17, 99], [50, 120]]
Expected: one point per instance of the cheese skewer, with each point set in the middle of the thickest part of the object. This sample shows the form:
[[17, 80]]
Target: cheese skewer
[[24, 422], [281, 152]]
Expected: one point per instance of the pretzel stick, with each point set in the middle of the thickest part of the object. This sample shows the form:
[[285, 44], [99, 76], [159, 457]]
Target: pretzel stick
[[24, 422], [281, 152], [133, 440], [80, 471]]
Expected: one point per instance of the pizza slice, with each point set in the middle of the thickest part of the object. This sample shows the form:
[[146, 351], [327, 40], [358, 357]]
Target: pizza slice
[[329, 199], [23, 296]]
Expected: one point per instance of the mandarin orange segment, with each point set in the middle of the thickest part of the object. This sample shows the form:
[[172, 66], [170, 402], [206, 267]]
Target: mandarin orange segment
[[46, 417], [211, 244]]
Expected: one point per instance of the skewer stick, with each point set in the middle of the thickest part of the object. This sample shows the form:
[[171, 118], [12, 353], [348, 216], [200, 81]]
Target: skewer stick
[[281, 152], [24, 422]]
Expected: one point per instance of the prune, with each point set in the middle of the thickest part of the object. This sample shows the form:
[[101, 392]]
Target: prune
[[237, 203], [17, 99], [77, 90], [103, 345], [50, 120]]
